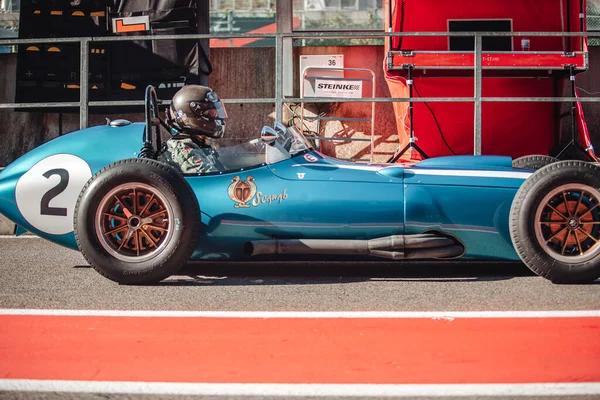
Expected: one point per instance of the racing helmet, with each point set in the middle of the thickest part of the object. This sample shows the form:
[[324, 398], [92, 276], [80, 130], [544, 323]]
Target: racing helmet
[[197, 110]]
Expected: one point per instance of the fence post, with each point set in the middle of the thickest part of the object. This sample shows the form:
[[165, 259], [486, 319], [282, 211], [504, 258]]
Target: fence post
[[83, 83], [283, 48], [477, 104], [278, 78]]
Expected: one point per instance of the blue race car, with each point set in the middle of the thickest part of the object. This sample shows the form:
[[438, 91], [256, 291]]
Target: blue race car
[[137, 220]]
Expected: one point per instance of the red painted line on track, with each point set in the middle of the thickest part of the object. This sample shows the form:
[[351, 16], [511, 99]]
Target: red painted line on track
[[300, 350]]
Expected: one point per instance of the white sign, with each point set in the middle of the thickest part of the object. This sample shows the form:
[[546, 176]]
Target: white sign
[[319, 66], [338, 88]]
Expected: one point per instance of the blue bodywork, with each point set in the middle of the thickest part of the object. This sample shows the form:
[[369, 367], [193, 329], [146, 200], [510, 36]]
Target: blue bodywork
[[313, 196]]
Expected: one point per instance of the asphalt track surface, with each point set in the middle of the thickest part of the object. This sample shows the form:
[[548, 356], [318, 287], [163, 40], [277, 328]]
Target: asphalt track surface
[[35, 274]]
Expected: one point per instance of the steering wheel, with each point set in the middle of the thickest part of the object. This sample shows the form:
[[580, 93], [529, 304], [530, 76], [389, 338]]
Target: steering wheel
[[151, 116]]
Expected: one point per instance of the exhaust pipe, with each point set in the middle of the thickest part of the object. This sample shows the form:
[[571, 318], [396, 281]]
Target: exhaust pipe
[[397, 247]]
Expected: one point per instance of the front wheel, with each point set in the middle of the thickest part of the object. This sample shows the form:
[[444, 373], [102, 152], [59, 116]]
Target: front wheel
[[136, 221], [555, 222]]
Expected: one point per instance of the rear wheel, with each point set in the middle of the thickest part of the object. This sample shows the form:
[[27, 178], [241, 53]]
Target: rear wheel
[[136, 221], [533, 162], [555, 222]]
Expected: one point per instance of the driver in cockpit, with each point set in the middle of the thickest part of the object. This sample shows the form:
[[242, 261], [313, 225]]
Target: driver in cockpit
[[195, 114]]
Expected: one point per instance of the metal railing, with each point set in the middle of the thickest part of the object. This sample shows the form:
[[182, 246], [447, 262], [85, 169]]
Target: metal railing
[[84, 103]]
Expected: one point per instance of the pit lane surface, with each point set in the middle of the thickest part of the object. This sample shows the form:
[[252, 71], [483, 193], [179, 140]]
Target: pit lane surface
[[39, 275]]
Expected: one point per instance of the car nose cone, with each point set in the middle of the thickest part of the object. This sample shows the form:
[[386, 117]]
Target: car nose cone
[[7, 196]]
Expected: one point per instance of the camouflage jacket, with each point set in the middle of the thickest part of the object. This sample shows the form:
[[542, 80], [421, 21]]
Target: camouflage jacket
[[188, 157]]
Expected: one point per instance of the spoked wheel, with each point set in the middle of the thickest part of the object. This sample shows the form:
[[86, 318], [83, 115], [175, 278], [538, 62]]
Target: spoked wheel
[[133, 222], [137, 221], [555, 222], [569, 223]]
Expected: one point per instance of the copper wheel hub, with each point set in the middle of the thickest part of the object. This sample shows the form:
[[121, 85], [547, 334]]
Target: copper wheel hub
[[568, 223], [133, 222]]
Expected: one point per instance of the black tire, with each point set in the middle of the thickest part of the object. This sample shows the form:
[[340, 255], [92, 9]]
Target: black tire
[[533, 162], [555, 222], [139, 241]]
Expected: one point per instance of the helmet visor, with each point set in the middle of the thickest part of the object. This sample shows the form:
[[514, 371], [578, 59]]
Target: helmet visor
[[218, 112]]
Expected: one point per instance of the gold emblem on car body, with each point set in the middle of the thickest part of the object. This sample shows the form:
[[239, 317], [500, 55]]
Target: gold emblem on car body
[[241, 191]]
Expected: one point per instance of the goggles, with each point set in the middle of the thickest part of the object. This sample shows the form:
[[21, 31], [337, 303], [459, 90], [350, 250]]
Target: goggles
[[216, 108]]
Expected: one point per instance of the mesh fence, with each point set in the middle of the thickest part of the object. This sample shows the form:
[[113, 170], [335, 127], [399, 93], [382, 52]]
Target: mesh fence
[[593, 20], [340, 20], [240, 21]]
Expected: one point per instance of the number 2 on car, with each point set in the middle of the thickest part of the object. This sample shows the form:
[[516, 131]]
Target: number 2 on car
[[46, 195]]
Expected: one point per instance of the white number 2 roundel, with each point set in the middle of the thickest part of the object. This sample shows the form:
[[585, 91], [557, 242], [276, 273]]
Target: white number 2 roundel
[[47, 193]]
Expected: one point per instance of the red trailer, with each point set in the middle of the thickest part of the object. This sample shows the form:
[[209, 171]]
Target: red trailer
[[512, 66]]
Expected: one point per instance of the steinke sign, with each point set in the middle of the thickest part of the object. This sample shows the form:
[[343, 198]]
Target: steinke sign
[[336, 88]]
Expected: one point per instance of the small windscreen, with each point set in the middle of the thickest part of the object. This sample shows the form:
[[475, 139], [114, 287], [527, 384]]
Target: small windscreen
[[466, 43]]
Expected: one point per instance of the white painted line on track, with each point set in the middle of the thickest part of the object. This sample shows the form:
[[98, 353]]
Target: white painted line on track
[[19, 237], [284, 390], [448, 315]]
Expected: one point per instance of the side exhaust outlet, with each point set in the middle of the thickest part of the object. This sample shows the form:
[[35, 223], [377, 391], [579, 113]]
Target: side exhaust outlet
[[397, 247]]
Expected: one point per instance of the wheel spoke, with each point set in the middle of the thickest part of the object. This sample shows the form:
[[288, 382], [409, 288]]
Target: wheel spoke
[[158, 228], [588, 235], [115, 216], [589, 222], [157, 214], [566, 242], [555, 235], [137, 242], [134, 202], [578, 243], [564, 196], [150, 238], [588, 211], [147, 205], [556, 211], [116, 230], [552, 222], [578, 204], [126, 238]]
